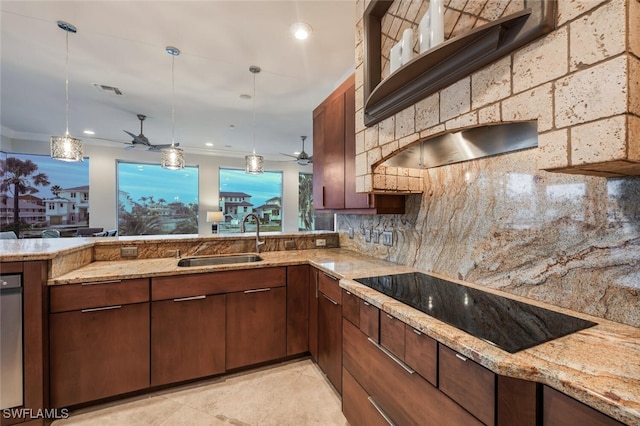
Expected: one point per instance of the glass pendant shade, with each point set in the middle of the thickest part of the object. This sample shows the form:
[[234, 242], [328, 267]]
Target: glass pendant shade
[[172, 158], [254, 164], [66, 148]]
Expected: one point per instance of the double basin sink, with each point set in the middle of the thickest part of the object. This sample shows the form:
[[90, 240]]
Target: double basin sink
[[219, 260]]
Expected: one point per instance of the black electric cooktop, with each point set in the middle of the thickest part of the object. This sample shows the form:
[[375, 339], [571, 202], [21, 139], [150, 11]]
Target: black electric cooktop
[[506, 323]]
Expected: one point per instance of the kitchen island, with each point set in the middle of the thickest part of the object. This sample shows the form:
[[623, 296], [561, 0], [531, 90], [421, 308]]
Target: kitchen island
[[596, 366]]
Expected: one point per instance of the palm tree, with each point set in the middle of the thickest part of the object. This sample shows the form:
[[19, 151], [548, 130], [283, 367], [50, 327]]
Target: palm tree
[[305, 201], [56, 190], [18, 178]]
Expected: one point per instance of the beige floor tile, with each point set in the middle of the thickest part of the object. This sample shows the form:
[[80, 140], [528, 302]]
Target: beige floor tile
[[294, 393]]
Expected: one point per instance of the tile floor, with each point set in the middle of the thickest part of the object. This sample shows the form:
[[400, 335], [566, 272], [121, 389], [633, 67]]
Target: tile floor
[[291, 393]]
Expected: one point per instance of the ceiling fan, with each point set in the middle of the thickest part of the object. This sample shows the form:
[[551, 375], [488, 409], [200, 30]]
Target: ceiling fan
[[303, 158], [141, 141]]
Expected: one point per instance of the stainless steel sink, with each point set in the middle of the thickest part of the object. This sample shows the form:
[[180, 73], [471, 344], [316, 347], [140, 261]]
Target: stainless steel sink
[[219, 260]]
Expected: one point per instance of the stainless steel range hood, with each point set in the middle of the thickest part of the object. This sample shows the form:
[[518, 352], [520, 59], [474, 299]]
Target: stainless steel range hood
[[468, 145]]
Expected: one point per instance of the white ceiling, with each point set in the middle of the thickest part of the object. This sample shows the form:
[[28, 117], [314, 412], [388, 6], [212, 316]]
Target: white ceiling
[[122, 44]]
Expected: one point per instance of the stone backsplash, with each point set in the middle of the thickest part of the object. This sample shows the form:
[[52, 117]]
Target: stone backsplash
[[572, 241]]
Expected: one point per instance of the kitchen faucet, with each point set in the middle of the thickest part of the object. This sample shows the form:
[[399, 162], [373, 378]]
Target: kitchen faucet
[[258, 242]]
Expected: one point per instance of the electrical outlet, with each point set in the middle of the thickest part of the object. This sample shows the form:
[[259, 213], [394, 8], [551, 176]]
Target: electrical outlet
[[128, 251], [289, 245], [351, 233], [387, 238], [321, 242], [367, 235], [376, 236]]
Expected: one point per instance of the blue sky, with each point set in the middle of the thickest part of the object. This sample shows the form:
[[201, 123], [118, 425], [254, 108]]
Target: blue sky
[[61, 173], [260, 187], [144, 180]]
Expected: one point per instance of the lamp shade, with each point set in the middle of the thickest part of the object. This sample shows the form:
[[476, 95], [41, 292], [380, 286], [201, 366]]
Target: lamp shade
[[215, 217], [254, 164], [66, 148], [172, 158]]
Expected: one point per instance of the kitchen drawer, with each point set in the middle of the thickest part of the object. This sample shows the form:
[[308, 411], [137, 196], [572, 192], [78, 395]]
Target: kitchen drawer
[[562, 410], [357, 406], [351, 307], [421, 354], [402, 394], [370, 320], [468, 383], [392, 334], [163, 288], [74, 297], [330, 286]]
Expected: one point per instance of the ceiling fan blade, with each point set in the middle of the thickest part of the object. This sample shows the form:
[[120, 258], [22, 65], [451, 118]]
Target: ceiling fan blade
[[289, 155], [138, 139]]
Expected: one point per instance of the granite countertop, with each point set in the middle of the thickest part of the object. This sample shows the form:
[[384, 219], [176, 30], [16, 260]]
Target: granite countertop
[[598, 366]]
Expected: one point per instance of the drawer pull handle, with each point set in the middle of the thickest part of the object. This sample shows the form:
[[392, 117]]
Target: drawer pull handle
[[389, 316], [104, 308], [329, 299], [258, 290], [317, 284], [102, 282], [462, 357], [417, 332], [366, 303], [348, 293], [380, 411], [184, 299], [392, 356]]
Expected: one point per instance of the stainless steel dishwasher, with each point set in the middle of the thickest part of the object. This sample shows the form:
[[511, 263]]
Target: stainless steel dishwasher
[[11, 346]]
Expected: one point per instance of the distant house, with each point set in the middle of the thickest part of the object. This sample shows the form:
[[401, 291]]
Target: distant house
[[69, 207], [271, 210], [29, 211], [235, 205]]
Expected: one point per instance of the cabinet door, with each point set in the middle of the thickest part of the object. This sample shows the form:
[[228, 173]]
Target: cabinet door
[[297, 309], [330, 339], [318, 158], [256, 326], [314, 293], [187, 338], [97, 353], [333, 167], [562, 410]]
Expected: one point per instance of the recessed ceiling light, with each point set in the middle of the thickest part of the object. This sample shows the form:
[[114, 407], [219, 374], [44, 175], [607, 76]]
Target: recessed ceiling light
[[245, 96], [89, 132], [301, 30], [209, 144]]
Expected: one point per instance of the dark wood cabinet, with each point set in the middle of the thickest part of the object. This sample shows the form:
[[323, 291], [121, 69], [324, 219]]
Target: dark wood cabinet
[[358, 407], [421, 354], [297, 309], [256, 326], [330, 329], [187, 338], [334, 157], [98, 352], [351, 307], [562, 410], [314, 293], [392, 332]]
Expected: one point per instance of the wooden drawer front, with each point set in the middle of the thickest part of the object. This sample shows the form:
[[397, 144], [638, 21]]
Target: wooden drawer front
[[517, 402], [98, 354], [469, 384], [330, 286], [392, 334], [74, 297], [562, 410], [187, 338], [216, 282], [421, 354], [357, 406], [370, 320], [405, 397], [351, 307]]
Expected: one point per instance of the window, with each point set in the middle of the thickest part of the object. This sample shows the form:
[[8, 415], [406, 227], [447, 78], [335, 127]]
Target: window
[[241, 194], [156, 201], [308, 218], [46, 182]]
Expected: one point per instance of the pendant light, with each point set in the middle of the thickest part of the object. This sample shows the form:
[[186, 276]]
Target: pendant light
[[254, 163], [66, 148], [172, 158]]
